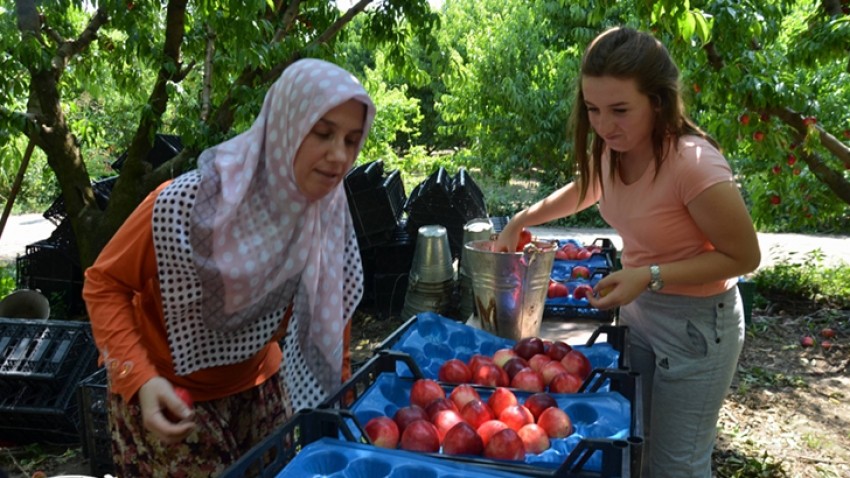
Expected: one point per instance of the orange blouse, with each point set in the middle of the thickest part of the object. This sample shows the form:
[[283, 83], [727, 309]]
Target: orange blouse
[[122, 295]]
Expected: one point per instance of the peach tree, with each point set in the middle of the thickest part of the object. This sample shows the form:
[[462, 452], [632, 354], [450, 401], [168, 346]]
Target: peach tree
[[768, 79], [82, 76]]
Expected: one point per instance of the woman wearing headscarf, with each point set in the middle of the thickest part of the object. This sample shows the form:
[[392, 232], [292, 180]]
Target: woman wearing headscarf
[[235, 282]]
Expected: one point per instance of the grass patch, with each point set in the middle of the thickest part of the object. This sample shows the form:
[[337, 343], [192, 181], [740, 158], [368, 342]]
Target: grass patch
[[809, 284], [7, 278]]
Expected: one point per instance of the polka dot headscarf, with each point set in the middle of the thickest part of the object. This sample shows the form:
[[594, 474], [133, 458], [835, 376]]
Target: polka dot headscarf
[[237, 242]]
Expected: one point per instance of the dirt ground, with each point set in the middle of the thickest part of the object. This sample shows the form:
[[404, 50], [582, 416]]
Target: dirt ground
[[787, 413]]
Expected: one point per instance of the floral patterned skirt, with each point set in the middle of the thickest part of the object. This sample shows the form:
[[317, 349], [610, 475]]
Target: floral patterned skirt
[[225, 430]]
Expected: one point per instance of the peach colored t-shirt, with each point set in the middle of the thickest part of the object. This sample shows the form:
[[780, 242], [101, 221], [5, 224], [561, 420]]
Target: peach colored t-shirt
[[651, 214]]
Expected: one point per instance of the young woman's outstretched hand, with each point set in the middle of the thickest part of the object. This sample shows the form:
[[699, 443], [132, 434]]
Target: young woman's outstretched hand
[[508, 238], [163, 412], [619, 288]]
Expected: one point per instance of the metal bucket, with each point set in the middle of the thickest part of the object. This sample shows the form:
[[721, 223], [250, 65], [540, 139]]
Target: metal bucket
[[474, 230], [510, 287]]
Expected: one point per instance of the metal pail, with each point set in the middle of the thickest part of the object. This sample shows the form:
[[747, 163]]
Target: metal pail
[[510, 287]]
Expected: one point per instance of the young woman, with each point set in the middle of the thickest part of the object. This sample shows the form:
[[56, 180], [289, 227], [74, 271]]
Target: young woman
[[214, 270], [663, 185]]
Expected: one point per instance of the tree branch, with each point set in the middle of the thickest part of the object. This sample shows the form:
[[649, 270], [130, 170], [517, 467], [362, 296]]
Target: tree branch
[[288, 20], [323, 38], [714, 58], [206, 92], [170, 169], [70, 49], [833, 180], [135, 167]]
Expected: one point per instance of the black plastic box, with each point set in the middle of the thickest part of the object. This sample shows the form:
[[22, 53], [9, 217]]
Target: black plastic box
[[376, 203], [42, 362], [447, 201], [94, 427], [270, 456], [54, 270]]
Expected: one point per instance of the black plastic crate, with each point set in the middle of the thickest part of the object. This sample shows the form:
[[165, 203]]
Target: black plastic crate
[[600, 263], [42, 354], [165, 147], [394, 256], [365, 176], [94, 423], [467, 196], [448, 201], [45, 360], [499, 222], [376, 210], [54, 271], [390, 291], [270, 456], [619, 458], [577, 312]]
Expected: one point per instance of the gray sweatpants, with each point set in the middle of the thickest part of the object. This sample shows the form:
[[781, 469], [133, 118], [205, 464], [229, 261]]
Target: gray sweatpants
[[686, 350]]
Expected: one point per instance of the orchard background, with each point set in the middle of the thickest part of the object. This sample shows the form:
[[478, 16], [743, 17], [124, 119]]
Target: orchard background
[[484, 84]]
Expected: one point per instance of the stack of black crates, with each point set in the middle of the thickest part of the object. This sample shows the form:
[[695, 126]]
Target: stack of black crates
[[52, 265], [450, 201], [41, 363], [376, 199], [387, 222]]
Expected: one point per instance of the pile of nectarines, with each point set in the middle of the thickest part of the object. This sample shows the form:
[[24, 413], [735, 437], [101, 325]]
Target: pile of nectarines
[[500, 427]]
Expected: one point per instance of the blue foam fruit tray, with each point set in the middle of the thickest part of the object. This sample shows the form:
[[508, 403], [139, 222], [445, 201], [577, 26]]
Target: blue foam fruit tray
[[329, 457], [432, 339], [600, 415]]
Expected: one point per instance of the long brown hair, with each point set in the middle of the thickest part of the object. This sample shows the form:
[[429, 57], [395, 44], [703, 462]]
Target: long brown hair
[[627, 54]]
